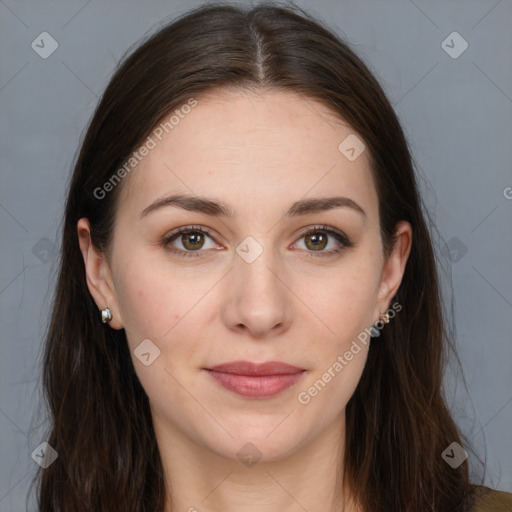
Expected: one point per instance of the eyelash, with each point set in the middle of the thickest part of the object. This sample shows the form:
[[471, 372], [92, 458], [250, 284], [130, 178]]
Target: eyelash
[[340, 237]]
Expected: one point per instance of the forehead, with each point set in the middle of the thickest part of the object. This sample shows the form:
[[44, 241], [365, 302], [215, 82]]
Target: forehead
[[240, 146]]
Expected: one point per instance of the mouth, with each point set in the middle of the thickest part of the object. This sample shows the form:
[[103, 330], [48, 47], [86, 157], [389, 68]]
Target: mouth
[[256, 380]]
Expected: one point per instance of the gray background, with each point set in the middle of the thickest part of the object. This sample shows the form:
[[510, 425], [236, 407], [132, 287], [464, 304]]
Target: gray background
[[456, 113]]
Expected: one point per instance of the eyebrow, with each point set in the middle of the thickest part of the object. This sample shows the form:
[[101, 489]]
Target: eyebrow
[[214, 208]]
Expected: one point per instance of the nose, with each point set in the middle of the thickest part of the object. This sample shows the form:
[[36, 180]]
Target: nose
[[258, 300]]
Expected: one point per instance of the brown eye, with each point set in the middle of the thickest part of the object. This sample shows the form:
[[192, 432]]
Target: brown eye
[[318, 241], [193, 240], [318, 238]]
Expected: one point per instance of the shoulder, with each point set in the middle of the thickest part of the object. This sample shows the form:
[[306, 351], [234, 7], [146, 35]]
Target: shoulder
[[489, 500]]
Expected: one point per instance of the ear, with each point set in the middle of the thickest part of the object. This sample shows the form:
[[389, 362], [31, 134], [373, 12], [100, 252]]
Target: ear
[[394, 267], [98, 275]]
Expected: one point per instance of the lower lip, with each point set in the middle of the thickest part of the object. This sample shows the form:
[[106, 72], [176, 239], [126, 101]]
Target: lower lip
[[261, 386]]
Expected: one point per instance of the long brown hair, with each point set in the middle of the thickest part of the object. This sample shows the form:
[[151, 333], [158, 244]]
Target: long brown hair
[[398, 423]]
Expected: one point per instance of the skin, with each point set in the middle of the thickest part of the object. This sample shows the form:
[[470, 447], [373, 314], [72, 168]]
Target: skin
[[258, 153]]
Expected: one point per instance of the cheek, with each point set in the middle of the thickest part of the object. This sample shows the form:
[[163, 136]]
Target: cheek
[[140, 310], [326, 393], [166, 308], [343, 303], [337, 346], [149, 306], [337, 357], [156, 309]]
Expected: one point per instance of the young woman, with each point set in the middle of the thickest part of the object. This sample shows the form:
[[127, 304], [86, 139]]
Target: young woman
[[247, 316]]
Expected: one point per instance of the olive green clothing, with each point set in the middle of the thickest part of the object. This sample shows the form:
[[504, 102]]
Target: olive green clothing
[[489, 500]]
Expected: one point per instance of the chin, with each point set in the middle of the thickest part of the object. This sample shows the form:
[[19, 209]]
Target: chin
[[264, 445]]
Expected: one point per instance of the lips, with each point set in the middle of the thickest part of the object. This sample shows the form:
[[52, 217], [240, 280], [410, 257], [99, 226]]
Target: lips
[[256, 380], [248, 368]]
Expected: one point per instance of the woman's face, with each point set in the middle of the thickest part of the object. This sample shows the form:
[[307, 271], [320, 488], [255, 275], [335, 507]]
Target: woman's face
[[254, 287]]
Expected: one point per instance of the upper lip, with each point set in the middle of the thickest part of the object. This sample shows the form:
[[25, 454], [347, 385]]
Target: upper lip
[[249, 368]]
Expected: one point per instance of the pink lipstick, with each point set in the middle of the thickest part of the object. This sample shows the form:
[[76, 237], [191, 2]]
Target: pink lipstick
[[256, 380]]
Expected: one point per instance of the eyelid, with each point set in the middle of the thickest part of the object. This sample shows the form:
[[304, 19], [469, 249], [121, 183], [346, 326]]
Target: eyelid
[[325, 228], [332, 232], [341, 238], [174, 234]]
